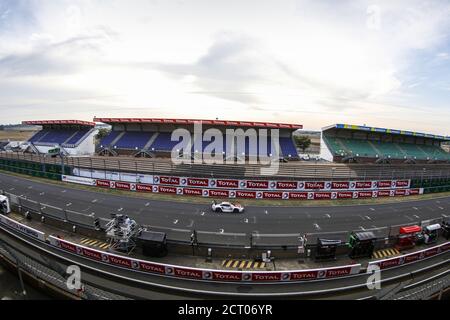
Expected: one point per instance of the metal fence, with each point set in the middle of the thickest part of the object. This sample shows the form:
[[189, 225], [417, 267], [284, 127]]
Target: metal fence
[[208, 238], [287, 171]]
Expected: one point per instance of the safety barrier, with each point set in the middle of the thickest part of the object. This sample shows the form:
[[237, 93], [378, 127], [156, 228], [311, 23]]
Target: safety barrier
[[411, 257], [181, 187], [242, 184], [145, 266]]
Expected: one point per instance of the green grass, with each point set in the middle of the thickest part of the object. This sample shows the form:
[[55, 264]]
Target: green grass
[[262, 202]]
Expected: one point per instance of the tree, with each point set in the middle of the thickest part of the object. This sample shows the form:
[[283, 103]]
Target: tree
[[303, 142], [102, 133]]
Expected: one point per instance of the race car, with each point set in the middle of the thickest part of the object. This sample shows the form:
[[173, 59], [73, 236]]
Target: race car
[[227, 207]]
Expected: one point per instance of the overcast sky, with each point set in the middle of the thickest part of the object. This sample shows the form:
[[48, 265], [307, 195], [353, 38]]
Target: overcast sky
[[380, 63]]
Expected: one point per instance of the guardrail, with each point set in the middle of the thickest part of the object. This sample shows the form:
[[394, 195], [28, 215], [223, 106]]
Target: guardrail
[[215, 188], [169, 270], [206, 239]]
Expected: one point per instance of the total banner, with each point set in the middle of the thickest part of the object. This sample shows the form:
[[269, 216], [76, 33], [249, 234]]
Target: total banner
[[411, 257], [22, 228], [240, 184], [203, 274], [177, 187]]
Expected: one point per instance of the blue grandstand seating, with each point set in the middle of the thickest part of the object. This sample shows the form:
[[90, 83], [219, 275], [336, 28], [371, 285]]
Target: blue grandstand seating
[[77, 137], [288, 148], [106, 141], [38, 135], [52, 136], [133, 140], [163, 142]]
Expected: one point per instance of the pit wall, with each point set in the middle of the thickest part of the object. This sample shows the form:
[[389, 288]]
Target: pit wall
[[243, 189], [149, 267]]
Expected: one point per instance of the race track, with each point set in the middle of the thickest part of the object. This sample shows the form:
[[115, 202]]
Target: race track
[[263, 220]]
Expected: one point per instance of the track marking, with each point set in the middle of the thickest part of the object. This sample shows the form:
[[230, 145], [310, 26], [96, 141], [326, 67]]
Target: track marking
[[63, 191], [362, 228], [440, 208], [409, 218], [246, 220], [221, 231], [94, 201], [69, 204], [120, 209], [415, 208], [42, 193], [203, 213], [372, 209], [368, 218], [266, 212], [317, 226], [416, 216], [175, 221], [327, 215], [147, 204], [30, 187]]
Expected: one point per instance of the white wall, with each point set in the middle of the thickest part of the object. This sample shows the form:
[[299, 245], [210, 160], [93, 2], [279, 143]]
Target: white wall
[[325, 153]]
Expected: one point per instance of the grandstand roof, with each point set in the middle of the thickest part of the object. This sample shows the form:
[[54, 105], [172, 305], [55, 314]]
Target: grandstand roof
[[227, 123], [383, 130], [61, 122]]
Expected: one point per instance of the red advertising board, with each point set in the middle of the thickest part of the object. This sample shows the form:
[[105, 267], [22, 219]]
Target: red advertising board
[[272, 195], [363, 184], [163, 189], [340, 185], [188, 273], [151, 267], [257, 184], [314, 185], [192, 192], [227, 276], [338, 272], [304, 275], [286, 185], [365, 194], [197, 182], [298, 195], [119, 261], [144, 188], [385, 184], [345, 195], [384, 193], [67, 246], [402, 183], [123, 185], [322, 195], [219, 193], [246, 194], [103, 183], [232, 184], [167, 180], [261, 277], [91, 254]]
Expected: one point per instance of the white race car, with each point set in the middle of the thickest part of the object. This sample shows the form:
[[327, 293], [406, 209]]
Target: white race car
[[227, 207]]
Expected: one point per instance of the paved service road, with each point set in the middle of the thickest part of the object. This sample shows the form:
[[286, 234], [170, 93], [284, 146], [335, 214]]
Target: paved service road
[[264, 220]]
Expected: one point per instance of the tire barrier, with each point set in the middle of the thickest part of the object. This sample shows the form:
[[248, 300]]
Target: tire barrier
[[177, 189]]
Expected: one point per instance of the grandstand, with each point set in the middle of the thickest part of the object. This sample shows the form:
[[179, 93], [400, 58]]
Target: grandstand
[[362, 144], [72, 137], [152, 137]]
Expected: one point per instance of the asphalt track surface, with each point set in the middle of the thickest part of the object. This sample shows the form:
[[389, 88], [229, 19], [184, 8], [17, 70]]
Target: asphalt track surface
[[258, 219]]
